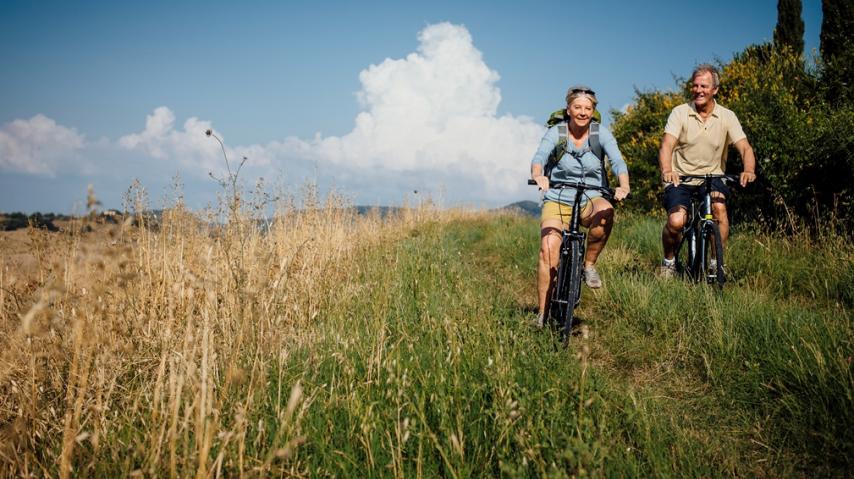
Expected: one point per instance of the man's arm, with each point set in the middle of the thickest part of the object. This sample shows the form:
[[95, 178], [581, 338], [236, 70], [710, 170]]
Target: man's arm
[[747, 160], [665, 159]]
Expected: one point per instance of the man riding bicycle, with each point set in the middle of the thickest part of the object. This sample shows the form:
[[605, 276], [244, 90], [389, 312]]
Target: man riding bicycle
[[695, 142]]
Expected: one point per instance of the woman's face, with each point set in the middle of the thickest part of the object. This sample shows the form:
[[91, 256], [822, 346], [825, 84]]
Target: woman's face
[[580, 111]]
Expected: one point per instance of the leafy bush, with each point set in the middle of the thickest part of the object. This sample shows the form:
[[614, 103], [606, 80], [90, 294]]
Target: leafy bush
[[18, 220], [837, 51], [802, 143], [638, 131]]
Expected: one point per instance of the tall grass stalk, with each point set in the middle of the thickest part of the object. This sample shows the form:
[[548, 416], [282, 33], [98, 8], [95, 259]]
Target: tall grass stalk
[[148, 349], [330, 344]]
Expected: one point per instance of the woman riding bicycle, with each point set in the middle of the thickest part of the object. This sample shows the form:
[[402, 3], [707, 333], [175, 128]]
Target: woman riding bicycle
[[580, 164]]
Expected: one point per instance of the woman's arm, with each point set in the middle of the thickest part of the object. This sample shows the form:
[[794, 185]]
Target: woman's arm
[[623, 190], [618, 165], [537, 175], [609, 144], [538, 163]]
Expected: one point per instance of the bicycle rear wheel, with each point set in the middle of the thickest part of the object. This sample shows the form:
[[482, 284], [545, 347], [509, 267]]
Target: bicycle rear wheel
[[712, 248]]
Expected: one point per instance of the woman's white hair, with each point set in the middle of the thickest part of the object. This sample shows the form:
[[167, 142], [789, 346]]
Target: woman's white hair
[[575, 93]]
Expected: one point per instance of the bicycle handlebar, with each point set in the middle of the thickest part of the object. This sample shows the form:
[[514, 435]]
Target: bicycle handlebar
[[559, 185], [725, 177]]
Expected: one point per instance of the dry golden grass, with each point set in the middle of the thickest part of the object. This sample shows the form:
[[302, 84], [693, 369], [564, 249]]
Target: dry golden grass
[[147, 350]]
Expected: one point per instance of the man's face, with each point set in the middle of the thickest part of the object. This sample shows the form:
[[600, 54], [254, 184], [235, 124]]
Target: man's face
[[703, 89]]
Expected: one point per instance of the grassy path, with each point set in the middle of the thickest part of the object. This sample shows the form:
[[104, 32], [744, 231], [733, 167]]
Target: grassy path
[[426, 367]]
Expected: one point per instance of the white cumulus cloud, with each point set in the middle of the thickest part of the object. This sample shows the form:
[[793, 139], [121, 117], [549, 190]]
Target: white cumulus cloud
[[188, 147], [428, 121], [435, 112], [37, 146]]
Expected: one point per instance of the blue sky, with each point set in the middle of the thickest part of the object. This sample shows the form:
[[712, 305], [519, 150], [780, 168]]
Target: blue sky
[[375, 99]]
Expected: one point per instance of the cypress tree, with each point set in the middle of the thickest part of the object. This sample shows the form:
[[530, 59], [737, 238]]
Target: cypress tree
[[837, 26], [790, 26], [837, 49]]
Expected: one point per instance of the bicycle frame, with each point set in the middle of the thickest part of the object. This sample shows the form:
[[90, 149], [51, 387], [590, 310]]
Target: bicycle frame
[[701, 226], [566, 290], [570, 235]]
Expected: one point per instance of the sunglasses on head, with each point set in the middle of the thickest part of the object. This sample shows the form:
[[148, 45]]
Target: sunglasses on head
[[583, 90]]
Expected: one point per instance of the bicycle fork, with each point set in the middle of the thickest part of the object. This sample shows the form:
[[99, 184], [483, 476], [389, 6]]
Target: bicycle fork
[[571, 265], [565, 271], [704, 235]]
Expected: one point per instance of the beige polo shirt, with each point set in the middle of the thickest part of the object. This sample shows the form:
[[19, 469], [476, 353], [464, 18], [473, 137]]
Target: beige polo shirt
[[701, 147]]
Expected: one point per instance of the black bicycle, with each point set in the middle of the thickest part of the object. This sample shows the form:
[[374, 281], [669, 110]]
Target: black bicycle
[[700, 255], [566, 289]]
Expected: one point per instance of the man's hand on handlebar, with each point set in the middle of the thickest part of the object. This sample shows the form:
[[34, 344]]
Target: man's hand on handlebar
[[671, 177], [746, 177]]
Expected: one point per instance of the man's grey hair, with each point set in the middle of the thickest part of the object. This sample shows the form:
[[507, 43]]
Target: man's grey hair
[[707, 68]]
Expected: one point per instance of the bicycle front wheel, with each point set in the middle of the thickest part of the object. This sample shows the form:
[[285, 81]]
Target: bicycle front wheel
[[560, 290], [686, 254], [573, 294], [712, 265]]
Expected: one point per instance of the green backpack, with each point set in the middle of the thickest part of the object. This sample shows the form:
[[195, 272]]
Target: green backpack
[[559, 118]]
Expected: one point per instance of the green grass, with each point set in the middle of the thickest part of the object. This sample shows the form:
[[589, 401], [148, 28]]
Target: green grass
[[424, 365], [411, 355]]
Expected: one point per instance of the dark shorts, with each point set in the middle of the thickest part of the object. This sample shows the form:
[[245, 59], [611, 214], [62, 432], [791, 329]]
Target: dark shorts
[[681, 195]]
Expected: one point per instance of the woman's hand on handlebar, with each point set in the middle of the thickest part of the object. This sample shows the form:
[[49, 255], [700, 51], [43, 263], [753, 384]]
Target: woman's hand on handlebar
[[542, 182]]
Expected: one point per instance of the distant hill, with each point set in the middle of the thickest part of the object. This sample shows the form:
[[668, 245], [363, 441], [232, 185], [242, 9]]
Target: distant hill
[[17, 220], [13, 221], [382, 210], [526, 207]]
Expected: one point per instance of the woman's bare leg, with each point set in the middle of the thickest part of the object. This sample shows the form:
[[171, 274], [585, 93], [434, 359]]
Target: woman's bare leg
[[598, 217], [549, 252]]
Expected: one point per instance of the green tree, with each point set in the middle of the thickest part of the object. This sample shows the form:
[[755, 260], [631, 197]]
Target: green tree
[[775, 100], [790, 26], [638, 131], [837, 25], [803, 144], [837, 49]]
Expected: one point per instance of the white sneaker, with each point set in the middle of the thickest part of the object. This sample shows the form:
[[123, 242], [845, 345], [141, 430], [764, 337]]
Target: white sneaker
[[591, 277], [667, 271]]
